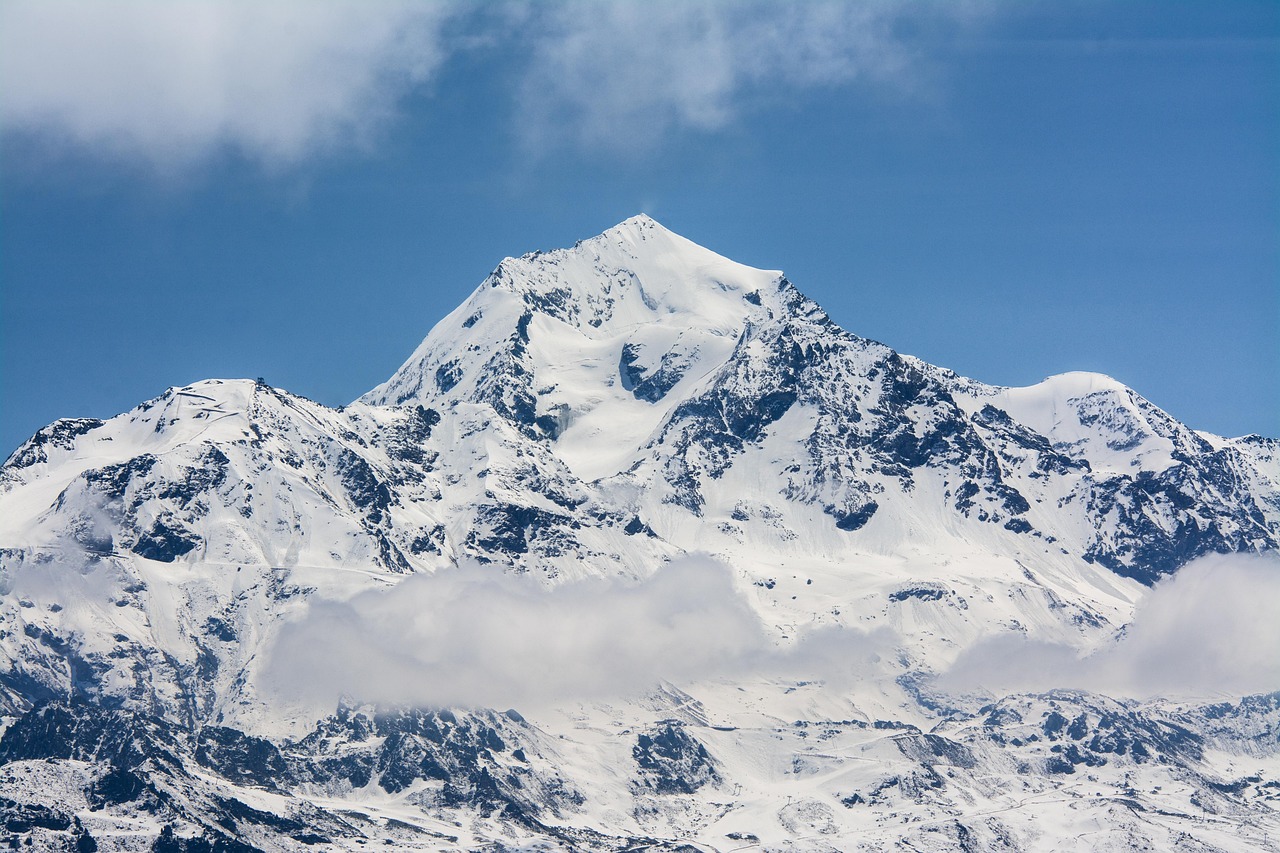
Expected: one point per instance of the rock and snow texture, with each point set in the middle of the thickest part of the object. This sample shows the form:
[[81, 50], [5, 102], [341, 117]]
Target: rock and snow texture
[[593, 413]]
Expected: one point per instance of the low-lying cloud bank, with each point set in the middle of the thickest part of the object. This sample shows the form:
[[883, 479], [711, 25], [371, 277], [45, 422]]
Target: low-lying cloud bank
[[1213, 628], [476, 636], [482, 637]]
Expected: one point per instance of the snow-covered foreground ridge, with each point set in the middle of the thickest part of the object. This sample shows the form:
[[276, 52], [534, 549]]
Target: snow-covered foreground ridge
[[714, 548]]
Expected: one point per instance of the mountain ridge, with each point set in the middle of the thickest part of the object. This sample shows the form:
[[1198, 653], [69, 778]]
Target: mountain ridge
[[588, 415]]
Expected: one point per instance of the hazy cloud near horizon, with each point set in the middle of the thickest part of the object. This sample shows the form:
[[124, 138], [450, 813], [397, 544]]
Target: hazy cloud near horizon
[[169, 84]]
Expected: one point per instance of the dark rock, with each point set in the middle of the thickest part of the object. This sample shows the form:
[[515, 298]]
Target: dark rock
[[243, 759], [673, 762], [166, 541], [61, 434]]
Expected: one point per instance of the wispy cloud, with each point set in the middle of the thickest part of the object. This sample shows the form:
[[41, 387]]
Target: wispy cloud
[[170, 83], [625, 75], [1212, 628]]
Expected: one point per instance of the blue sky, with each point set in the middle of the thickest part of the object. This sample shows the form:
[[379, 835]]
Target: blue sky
[[299, 191]]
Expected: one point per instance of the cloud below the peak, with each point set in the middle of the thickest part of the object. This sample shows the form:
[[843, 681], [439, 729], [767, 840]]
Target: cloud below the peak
[[477, 636], [170, 84], [474, 636], [1213, 628], [480, 637]]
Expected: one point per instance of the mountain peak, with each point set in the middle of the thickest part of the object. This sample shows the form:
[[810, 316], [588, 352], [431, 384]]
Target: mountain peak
[[638, 224], [643, 233], [614, 330], [638, 248], [634, 275], [188, 585]]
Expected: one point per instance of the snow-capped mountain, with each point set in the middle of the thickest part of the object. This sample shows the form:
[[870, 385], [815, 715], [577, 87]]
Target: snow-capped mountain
[[591, 414]]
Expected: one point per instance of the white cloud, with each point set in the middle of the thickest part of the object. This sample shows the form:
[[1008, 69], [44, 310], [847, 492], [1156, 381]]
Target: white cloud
[[170, 82], [1213, 628], [478, 636]]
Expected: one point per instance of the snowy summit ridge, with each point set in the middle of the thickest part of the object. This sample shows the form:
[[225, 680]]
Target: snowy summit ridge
[[594, 413]]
